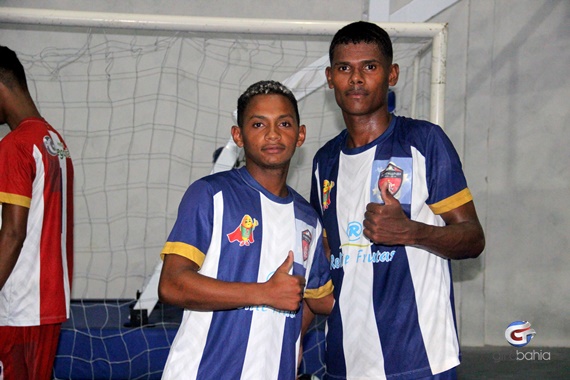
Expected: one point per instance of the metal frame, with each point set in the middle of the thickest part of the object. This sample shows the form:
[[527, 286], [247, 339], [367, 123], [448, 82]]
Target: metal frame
[[436, 31]]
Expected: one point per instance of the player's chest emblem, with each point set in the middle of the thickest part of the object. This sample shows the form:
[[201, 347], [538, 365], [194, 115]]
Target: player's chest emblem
[[243, 234], [307, 238], [327, 187], [393, 175]]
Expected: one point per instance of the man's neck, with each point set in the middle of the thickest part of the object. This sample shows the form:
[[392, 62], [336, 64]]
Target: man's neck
[[365, 129], [273, 180], [20, 115]]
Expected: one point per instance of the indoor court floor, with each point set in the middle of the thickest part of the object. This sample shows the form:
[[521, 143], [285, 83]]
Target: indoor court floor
[[98, 343]]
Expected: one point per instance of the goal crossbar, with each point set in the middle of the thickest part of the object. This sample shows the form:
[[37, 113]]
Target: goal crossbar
[[436, 31], [200, 24]]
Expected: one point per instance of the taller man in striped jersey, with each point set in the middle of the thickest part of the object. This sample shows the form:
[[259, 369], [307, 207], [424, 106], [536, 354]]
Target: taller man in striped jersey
[[36, 233], [398, 212]]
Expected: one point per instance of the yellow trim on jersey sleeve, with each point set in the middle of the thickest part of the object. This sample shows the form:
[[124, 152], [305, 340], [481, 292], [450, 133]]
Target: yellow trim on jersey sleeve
[[184, 250], [321, 292], [14, 199], [451, 203]]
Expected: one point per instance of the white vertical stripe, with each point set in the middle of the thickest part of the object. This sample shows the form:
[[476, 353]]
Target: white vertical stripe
[[362, 349], [28, 264], [419, 190], [63, 168], [432, 283], [188, 346], [268, 325], [319, 187]]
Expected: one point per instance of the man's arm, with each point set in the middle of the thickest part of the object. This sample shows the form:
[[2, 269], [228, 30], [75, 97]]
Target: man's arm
[[181, 285], [322, 305], [12, 236], [461, 238], [311, 307]]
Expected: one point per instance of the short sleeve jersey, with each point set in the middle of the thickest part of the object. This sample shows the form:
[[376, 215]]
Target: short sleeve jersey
[[237, 231], [36, 172], [394, 314]]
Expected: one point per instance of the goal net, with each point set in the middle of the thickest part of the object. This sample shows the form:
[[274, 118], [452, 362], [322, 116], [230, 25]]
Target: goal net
[[143, 105]]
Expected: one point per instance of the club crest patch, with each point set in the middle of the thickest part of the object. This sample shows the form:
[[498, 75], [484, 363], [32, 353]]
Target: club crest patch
[[55, 149], [307, 239], [396, 172], [393, 175], [243, 234], [50, 145]]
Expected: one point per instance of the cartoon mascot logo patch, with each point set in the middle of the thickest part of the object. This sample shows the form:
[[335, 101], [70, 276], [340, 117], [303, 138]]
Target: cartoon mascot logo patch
[[327, 187], [244, 232]]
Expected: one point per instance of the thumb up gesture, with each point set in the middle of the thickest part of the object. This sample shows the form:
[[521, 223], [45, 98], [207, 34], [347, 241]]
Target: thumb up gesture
[[386, 224], [285, 290]]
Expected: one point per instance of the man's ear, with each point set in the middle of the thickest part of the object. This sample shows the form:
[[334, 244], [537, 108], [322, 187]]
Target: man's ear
[[394, 74], [237, 136], [6, 102], [302, 135], [329, 76]]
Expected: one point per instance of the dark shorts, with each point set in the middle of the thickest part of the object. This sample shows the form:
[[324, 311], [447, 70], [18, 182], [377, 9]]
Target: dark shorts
[[28, 352]]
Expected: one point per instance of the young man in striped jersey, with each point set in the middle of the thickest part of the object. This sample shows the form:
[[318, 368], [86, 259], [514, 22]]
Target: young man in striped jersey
[[396, 209], [244, 252], [36, 232]]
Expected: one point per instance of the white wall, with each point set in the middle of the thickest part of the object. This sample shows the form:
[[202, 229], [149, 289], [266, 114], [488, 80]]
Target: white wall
[[290, 9], [507, 113]]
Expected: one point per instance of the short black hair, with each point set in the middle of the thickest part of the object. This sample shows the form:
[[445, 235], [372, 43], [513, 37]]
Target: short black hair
[[11, 69], [264, 87], [363, 31]]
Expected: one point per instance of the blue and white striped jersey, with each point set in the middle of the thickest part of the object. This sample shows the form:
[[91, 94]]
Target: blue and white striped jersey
[[237, 231], [394, 312]]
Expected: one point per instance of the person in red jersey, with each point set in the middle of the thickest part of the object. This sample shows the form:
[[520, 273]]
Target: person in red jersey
[[36, 230]]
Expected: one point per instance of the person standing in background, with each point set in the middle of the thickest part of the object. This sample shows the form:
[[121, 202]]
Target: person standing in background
[[36, 231]]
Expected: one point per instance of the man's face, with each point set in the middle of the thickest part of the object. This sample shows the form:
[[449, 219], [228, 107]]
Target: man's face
[[270, 132], [360, 76]]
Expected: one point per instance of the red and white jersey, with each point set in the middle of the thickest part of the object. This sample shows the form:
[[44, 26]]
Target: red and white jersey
[[36, 172]]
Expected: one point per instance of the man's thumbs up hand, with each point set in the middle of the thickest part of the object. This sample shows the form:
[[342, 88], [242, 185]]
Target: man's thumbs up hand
[[386, 224], [285, 290]]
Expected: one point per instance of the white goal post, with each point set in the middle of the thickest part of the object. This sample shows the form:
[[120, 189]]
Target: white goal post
[[436, 31], [311, 77]]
